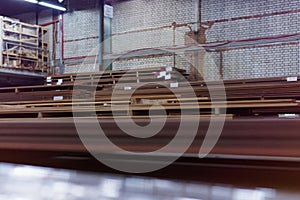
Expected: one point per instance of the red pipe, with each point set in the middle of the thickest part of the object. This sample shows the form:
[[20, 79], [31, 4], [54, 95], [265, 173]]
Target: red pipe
[[255, 16], [50, 23], [253, 39], [80, 57]]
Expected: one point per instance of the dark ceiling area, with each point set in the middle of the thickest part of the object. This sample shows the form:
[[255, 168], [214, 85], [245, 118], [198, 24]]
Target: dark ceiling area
[[11, 8]]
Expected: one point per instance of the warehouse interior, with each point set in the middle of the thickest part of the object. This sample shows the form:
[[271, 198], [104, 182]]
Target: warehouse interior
[[150, 99]]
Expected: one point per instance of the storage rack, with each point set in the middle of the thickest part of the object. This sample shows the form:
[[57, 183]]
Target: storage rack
[[23, 45]]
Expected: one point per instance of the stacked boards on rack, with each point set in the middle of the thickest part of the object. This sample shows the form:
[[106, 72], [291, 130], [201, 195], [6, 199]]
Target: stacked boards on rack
[[134, 93], [23, 46]]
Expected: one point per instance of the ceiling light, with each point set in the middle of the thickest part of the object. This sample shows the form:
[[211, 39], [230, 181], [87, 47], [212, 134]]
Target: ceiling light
[[32, 1], [52, 6], [49, 5]]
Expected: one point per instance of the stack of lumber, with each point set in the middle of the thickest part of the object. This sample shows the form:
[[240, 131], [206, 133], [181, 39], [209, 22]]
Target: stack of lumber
[[134, 93], [124, 76], [48, 136]]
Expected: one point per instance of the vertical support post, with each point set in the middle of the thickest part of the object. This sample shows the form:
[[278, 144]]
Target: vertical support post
[[198, 59], [174, 43], [195, 71], [62, 37], [7, 56], [107, 38], [221, 65], [53, 53], [101, 34], [1, 42], [299, 58], [61, 24], [36, 15]]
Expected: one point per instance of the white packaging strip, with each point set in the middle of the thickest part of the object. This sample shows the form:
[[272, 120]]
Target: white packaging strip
[[288, 116], [168, 76], [292, 79], [59, 82], [58, 98], [168, 68], [174, 85], [162, 74], [49, 79], [127, 88]]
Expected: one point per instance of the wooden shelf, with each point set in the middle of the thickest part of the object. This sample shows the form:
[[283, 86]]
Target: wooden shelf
[[18, 32], [20, 55], [18, 41]]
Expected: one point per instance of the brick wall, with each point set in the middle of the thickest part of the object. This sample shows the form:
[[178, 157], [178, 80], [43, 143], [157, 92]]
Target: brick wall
[[133, 25], [271, 18], [81, 29], [217, 9], [255, 28], [281, 60], [140, 14], [211, 66], [278, 60]]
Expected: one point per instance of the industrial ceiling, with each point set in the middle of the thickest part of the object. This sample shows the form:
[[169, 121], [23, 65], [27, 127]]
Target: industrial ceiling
[[11, 8]]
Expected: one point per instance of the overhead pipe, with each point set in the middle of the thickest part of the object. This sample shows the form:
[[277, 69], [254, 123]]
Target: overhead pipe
[[50, 23], [80, 57], [255, 16]]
